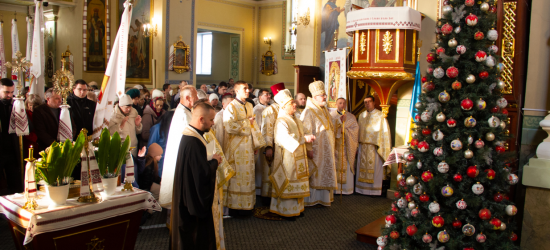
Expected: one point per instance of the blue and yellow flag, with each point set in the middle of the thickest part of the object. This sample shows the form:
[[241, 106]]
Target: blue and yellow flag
[[415, 97]]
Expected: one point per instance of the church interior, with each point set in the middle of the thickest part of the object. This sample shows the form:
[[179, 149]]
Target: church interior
[[265, 42]]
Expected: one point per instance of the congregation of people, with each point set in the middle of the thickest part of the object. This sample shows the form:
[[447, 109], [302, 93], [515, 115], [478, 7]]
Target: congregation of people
[[207, 153]]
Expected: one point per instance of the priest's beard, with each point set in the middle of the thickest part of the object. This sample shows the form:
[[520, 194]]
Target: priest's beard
[[321, 104], [301, 107]]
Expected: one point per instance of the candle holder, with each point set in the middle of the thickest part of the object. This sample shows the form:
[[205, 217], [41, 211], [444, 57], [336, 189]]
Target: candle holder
[[30, 204], [91, 198]]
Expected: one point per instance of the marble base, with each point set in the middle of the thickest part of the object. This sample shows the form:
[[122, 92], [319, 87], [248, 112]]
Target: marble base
[[535, 231]]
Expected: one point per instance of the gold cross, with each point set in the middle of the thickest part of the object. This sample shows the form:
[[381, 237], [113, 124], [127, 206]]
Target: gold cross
[[19, 65]]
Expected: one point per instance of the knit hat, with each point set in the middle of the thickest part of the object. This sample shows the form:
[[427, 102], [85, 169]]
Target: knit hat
[[157, 93], [154, 150], [125, 100], [213, 97], [317, 88], [133, 93]]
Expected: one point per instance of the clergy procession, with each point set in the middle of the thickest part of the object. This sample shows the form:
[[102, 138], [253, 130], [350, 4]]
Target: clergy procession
[[124, 126]]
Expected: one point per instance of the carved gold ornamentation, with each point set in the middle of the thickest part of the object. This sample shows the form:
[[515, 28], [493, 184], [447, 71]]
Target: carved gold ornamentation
[[387, 42], [19, 66], [385, 110], [380, 74], [63, 81], [363, 43], [182, 59], [95, 244], [361, 84], [508, 45]]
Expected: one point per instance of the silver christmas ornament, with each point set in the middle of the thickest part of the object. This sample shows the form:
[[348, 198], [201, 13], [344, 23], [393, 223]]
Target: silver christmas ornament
[[500, 84], [440, 117], [401, 203], [418, 105], [478, 188], [447, 9], [492, 35], [489, 136], [412, 205], [414, 135], [494, 122], [452, 43], [439, 73], [484, 7], [417, 189], [443, 167], [490, 61], [502, 125], [470, 140], [457, 29], [502, 103], [411, 180], [438, 135], [502, 226], [468, 154], [470, 79], [399, 177], [419, 165], [434, 207]]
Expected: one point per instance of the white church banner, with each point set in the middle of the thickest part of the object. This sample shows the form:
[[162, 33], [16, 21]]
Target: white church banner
[[335, 75]]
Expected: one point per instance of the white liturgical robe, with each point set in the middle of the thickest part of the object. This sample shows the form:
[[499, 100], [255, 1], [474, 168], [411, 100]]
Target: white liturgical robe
[[258, 109], [346, 148]]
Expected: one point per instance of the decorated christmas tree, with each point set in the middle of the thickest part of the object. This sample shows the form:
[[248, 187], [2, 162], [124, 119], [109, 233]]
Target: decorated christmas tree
[[453, 192]]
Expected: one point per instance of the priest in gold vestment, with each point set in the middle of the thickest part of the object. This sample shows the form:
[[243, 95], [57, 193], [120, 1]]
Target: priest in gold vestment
[[290, 173], [322, 165], [374, 148], [242, 139], [346, 147], [269, 117]]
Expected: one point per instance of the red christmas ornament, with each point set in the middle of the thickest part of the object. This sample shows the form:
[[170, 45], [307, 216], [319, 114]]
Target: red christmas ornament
[[490, 173], [467, 104], [438, 221], [472, 171], [391, 219], [397, 194], [414, 143], [430, 57], [468, 248], [424, 197], [481, 56], [500, 149], [469, 3], [506, 197], [504, 112], [427, 176], [493, 9], [479, 35], [394, 209], [426, 131], [471, 20], [494, 109], [513, 237], [484, 214], [496, 223], [451, 122], [457, 177], [428, 86], [423, 146], [409, 197], [440, 50], [410, 157], [456, 85], [457, 223], [394, 235], [424, 79], [402, 183], [417, 117], [411, 230], [446, 29], [483, 74], [452, 72], [498, 197]]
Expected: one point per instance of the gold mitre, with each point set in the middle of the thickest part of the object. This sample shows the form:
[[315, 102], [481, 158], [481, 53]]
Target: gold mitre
[[283, 97], [317, 88]]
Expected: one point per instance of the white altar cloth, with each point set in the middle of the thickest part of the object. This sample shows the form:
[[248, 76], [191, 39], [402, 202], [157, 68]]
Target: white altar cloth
[[73, 213]]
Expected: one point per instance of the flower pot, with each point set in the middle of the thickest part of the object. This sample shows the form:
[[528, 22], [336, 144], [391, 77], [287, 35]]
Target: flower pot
[[109, 186], [57, 195]]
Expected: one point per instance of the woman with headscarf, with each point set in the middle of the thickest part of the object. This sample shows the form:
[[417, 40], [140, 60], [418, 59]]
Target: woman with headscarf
[[151, 115]]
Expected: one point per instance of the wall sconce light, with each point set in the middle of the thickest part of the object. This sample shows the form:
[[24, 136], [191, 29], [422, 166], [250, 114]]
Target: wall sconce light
[[303, 19], [267, 40], [148, 30]]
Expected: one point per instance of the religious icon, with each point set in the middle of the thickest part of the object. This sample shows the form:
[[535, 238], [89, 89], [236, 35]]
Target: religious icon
[[181, 58], [334, 82], [267, 63], [96, 51]]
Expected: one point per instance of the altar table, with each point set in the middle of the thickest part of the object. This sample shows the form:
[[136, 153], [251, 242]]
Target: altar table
[[111, 224]]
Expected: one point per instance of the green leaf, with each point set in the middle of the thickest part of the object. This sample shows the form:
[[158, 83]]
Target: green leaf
[[114, 151], [122, 156], [102, 155]]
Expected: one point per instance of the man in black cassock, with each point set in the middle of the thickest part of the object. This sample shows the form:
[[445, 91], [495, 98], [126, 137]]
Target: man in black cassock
[[194, 185], [9, 143]]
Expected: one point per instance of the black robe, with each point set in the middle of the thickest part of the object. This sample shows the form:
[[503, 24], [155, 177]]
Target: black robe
[[193, 196], [9, 151], [82, 112]]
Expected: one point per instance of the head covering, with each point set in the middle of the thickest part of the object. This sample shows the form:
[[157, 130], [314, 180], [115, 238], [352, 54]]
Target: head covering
[[139, 87], [201, 94], [125, 100], [256, 92], [277, 87], [283, 97], [133, 93], [154, 150], [92, 83], [213, 97], [152, 105], [317, 88], [156, 93]]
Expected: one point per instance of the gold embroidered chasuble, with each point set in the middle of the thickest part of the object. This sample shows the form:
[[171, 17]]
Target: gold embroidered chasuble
[[375, 138], [269, 117], [346, 145], [239, 149], [290, 175], [322, 168]]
